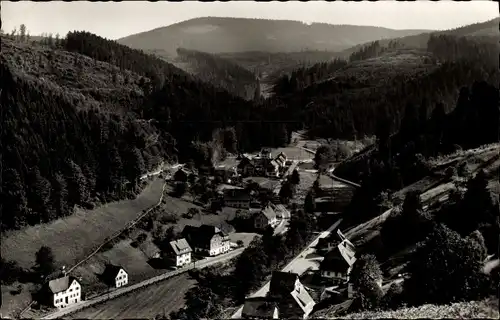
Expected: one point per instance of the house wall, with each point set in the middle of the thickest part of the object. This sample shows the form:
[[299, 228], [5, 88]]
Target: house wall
[[218, 245], [183, 259], [237, 204], [333, 275], [121, 279], [71, 296]]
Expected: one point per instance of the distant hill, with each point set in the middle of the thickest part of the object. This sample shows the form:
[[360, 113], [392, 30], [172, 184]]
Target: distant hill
[[487, 30], [214, 35]]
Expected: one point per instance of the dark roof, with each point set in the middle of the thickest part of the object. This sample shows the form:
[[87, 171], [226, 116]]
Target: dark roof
[[110, 273], [236, 195], [260, 307], [60, 284], [282, 282], [245, 161], [180, 246], [201, 236], [335, 264]]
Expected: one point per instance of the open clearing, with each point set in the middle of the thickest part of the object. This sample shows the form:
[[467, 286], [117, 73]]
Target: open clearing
[[73, 237], [162, 297]]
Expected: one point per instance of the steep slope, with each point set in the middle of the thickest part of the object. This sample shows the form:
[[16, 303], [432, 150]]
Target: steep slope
[[214, 35], [218, 71], [487, 30], [68, 134], [84, 119]]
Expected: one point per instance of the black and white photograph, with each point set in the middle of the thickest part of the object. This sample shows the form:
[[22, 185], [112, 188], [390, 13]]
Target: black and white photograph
[[250, 160]]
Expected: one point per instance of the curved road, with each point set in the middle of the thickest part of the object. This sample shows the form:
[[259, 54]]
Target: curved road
[[299, 265]]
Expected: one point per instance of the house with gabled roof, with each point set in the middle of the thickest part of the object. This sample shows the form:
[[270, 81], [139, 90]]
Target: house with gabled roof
[[61, 292], [114, 276], [260, 308], [237, 198], [338, 263], [281, 159], [293, 299], [208, 240], [265, 217], [179, 252]]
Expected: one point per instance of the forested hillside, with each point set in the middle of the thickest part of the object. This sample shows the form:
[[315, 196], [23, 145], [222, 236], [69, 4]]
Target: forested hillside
[[214, 35], [487, 31], [219, 72], [85, 117], [354, 97]]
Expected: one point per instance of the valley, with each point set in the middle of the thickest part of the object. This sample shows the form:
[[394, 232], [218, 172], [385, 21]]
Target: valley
[[251, 168]]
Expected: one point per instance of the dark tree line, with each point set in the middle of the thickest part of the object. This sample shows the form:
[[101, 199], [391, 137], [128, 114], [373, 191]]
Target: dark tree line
[[62, 150], [303, 77], [349, 106], [221, 72], [56, 156]]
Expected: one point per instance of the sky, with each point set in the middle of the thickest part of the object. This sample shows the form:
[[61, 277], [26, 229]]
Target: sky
[[114, 20]]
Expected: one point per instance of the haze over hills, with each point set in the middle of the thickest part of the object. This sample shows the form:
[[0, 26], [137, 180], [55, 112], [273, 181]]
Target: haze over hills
[[215, 35], [487, 30]]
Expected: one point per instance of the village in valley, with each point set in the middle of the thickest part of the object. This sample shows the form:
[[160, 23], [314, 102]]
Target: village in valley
[[255, 208], [249, 167]]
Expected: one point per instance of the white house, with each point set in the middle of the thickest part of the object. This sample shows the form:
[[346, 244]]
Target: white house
[[265, 217], [63, 291], [115, 276], [182, 252]]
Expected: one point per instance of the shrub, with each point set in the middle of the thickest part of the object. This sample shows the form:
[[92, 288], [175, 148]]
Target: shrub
[[445, 268], [141, 238], [393, 299]]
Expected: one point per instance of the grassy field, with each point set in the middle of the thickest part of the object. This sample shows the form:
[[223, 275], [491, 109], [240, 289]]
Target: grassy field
[[73, 237], [293, 153], [162, 297], [486, 309], [135, 260]]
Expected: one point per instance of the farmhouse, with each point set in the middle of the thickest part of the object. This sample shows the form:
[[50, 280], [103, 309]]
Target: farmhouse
[[237, 198], [181, 175], [265, 217], [246, 167], [226, 173], [262, 165], [327, 244], [260, 308], [61, 292], [294, 301], [208, 240], [115, 276], [180, 252], [338, 263]]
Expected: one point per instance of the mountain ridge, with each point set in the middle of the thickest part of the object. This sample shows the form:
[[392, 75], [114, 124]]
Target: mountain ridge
[[217, 34]]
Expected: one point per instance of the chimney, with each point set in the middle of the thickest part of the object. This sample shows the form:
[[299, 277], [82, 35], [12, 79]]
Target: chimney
[[63, 271]]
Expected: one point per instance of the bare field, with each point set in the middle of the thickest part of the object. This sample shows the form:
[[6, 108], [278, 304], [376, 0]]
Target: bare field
[[162, 297], [73, 237]]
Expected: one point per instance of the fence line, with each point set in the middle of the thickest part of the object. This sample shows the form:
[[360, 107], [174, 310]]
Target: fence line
[[113, 237], [111, 295], [118, 233]]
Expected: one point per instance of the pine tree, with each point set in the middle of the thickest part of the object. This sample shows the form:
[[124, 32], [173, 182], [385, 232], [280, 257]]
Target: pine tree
[[60, 195], [39, 197], [14, 201]]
